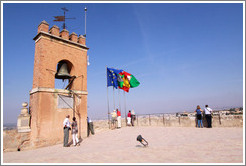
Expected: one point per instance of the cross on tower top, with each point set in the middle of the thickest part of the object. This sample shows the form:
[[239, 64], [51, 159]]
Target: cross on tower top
[[63, 18]]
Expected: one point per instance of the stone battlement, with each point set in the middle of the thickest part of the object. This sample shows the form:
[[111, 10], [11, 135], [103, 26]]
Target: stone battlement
[[64, 34], [220, 119]]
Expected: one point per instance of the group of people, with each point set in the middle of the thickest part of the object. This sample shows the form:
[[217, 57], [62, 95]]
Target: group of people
[[208, 116], [67, 126], [116, 117]]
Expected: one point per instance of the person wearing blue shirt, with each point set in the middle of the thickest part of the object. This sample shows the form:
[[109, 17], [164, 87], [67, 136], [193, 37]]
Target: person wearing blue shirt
[[199, 116]]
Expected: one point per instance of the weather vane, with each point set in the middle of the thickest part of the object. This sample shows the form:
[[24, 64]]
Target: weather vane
[[63, 18]]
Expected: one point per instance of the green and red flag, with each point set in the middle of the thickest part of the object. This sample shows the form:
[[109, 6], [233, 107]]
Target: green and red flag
[[127, 81], [132, 80], [123, 82]]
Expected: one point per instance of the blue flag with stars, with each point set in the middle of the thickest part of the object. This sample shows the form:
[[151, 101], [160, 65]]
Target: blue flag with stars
[[112, 75]]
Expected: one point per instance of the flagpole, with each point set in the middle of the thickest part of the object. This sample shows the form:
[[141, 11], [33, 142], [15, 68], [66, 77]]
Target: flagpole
[[125, 106], [113, 96], [119, 99], [108, 99], [85, 22]]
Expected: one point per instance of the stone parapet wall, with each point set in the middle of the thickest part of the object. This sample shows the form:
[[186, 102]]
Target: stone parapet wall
[[176, 121], [12, 140]]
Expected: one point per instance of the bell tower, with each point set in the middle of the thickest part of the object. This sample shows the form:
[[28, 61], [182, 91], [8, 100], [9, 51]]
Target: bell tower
[[58, 55]]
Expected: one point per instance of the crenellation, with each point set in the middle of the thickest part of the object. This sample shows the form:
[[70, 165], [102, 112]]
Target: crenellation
[[81, 39], [55, 30], [64, 34], [73, 37], [43, 26]]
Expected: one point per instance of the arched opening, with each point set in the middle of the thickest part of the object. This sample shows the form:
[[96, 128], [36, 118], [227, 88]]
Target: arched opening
[[63, 75]]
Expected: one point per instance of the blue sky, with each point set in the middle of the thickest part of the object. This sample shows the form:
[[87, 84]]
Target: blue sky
[[183, 54]]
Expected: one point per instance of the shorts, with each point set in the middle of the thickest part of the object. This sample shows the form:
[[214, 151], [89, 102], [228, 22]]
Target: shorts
[[113, 119], [199, 116]]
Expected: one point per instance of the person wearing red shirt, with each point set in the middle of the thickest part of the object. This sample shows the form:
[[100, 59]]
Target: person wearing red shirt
[[118, 118], [129, 118]]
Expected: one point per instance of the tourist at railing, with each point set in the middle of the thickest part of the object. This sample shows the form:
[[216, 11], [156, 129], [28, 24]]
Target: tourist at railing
[[199, 112], [90, 127], [133, 117], [208, 115], [129, 118], [118, 118], [114, 116]]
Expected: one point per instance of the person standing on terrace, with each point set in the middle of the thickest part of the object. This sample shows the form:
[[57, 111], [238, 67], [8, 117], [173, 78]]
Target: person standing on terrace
[[199, 112]]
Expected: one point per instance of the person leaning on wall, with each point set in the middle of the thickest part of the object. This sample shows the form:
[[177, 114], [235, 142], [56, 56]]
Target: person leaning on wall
[[208, 115], [133, 117]]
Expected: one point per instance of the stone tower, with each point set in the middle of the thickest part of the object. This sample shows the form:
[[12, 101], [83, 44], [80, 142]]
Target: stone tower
[[49, 106]]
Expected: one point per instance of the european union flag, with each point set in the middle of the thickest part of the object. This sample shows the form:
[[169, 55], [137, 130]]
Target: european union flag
[[112, 75]]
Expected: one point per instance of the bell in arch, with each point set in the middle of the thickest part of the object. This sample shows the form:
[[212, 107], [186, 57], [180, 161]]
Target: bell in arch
[[62, 71]]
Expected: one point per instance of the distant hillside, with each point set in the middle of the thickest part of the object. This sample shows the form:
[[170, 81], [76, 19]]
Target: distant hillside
[[9, 126]]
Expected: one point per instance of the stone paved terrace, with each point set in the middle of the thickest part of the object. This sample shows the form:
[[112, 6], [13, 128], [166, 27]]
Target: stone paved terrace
[[166, 145]]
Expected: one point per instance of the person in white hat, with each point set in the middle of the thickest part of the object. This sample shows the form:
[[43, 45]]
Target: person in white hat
[[114, 116]]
